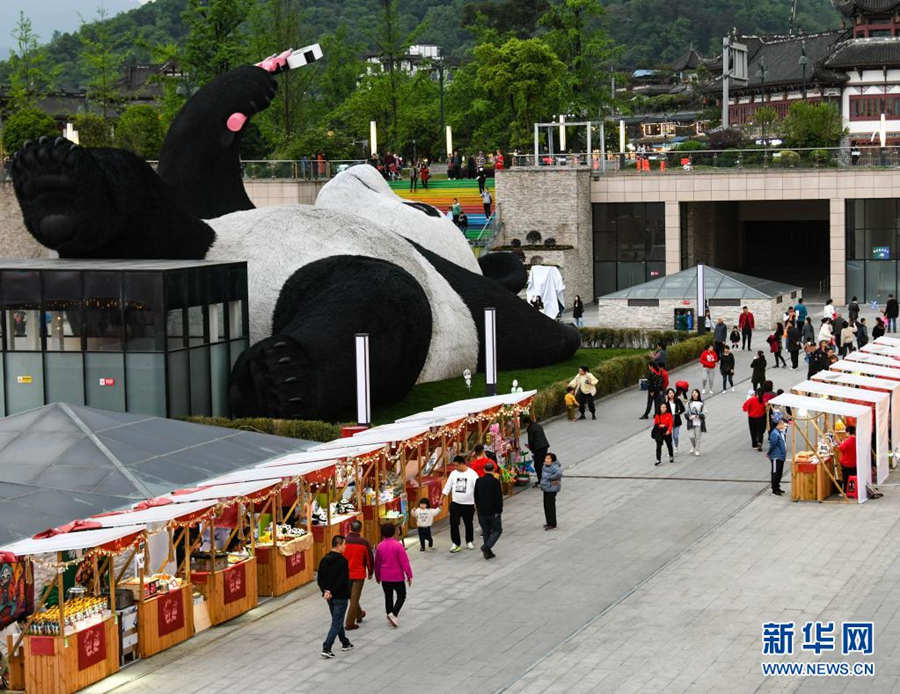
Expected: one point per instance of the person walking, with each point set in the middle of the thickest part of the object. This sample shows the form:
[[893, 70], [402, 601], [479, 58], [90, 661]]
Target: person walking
[[578, 311], [391, 569], [709, 360], [455, 211], [777, 452], [891, 310], [676, 409], [758, 371], [424, 516], [413, 177], [828, 310], [808, 332], [826, 334], [794, 338], [862, 333], [853, 310], [696, 420], [818, 360], [460, 486], [746, 323], [655, 388], [774, 341], [333, 578], [662, 433], [726, 368], [848, 338], [537, 444], [800, 307], [720, 336], [489, 505], [585, 385], [878, 330], [551, 482], [755, 407], [486, 201], [361, 564]]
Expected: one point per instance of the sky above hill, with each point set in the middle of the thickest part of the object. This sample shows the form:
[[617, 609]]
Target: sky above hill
[[48, 16]]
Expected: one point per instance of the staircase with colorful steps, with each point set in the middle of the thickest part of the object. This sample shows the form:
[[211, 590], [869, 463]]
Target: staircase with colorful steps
[[440, 194]]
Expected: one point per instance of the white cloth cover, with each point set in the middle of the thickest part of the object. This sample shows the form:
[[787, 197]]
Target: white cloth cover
[[547, 282]]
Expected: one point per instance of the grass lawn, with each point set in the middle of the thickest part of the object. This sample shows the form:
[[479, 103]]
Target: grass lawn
[[426, 396]]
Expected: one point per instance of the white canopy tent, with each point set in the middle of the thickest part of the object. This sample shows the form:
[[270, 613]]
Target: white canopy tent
[[883, 350], [863, 369], [69, 542], [884, 385], [388, 433], [272, 472], [888, 340], [317, 455], [154, 514], [802, 403], [880, 400], [462, 408], [874, 359], [220, 491], [546, 282]]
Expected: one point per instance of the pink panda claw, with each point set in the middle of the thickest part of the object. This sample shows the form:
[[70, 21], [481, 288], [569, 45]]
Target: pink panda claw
[[235, 122], [276, 62]]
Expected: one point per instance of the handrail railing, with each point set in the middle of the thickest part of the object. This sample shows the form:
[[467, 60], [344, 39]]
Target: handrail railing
[[710, 161]]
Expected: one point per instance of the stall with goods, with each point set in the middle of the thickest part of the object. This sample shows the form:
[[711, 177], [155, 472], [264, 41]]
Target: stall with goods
[[825, 456], [878, 385], [72, 638], [874, 359], [878, 402], [888, 340], [863, 369], [219, 559], [881, 350], [164, 595]]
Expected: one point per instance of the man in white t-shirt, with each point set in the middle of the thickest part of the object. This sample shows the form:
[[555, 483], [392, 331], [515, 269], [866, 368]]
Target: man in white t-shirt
[[461, 488]]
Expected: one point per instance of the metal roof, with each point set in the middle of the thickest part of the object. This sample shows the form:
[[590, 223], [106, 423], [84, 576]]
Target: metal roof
[[718, 284], [106, 264]]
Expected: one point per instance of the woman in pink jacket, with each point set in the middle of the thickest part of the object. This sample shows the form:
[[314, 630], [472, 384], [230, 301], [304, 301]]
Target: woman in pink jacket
[[391, 568]]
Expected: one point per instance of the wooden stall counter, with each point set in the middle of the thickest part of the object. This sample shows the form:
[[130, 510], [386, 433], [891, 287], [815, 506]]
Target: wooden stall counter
[[165, 619], [286, 566], [810, 480], [372, 523], [65, 664], [229, 592], [431, 489], [322, 534]]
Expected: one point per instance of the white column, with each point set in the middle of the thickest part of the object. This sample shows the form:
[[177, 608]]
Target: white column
[[363, 381], [673, 237], [373, 137], [837, 250], [490, 351]]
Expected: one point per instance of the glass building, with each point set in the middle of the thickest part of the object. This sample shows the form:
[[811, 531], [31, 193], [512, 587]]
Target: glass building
[[629, 244], [156, 337], [873, 228]]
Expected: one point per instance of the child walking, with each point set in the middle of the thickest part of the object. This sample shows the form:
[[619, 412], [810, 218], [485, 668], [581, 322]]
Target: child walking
[[424, 519], [571, 403], [735, 339]]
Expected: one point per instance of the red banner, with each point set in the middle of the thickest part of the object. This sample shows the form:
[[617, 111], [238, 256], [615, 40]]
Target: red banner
[[235, 582], [294, 564], [92, 646], [42, 645], [170, 612]]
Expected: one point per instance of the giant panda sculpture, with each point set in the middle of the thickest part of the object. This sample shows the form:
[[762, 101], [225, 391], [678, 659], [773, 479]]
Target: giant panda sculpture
[[359, 260]]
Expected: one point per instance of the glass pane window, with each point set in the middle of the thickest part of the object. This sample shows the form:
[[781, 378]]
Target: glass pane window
[[103, 322], [22, 301], [236, 319], [144, 314], [63, 311], [217, 323], [23, 330]]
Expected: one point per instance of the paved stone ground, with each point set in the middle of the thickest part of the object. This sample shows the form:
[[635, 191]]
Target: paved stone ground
[[658, 579]]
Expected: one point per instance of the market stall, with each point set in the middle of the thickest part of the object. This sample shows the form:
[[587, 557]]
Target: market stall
[[874, 359], [887, 340], [879, 402], [863, 369], [872, 383], [219, 561], [165, 600], [75, 643], [815, 468], [883, 350]]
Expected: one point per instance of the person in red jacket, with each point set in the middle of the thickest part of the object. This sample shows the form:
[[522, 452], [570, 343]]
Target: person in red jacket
[[746, 324], [358, 554], [755, 407], [847, 451], [480, 460], [709, 360], [662, 432]]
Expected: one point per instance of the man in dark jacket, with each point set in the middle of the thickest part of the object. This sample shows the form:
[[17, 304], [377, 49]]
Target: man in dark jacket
[[818, 360], [794, 338], [853, 309], [489, 502], [862, 333], [655, 388], [891, 310], [361, 564], [537, 444], [726, 367], [720, 336], [334, 581]]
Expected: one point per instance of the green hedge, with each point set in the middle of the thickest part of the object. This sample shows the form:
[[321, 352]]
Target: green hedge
[[619, 373], [630, 338], [311, 430]]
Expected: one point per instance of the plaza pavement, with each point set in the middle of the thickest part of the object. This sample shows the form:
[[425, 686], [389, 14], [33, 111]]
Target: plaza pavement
[[657, 580]]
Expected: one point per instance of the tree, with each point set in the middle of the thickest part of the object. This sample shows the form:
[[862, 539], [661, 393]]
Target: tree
[[93, 130], [100, 63], [577, 37], [524, 81], [140, 130], [504, 18], [30, 75], [391, 46], [26, 124], [763, 118], [214, 42], [812, 125]]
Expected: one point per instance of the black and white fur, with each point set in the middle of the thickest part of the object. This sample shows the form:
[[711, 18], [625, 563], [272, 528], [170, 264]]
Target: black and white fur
[[359, 260]]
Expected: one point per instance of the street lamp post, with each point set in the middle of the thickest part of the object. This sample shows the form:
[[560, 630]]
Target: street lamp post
[[763, 72], [803, 61]]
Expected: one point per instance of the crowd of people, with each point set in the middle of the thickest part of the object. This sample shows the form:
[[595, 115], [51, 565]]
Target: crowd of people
[[473, 489]]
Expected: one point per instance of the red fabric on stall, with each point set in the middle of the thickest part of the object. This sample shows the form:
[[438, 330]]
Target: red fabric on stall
[[170, 612], [91, 646]]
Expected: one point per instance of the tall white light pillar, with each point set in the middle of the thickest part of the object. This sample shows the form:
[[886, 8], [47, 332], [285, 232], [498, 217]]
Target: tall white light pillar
[[490, 351], [363, 383]]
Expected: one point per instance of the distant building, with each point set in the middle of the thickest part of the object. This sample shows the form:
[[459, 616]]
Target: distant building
[[418, 57]]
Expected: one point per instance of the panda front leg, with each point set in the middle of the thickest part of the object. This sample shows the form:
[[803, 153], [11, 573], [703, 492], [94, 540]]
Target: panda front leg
[[526, 338], [306, 370]]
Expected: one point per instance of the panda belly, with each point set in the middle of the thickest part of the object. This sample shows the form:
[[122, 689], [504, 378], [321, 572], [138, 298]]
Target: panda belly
[[277, 241]]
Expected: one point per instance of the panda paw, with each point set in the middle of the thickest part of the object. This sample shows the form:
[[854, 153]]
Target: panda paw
[[61, 190], [274, 378]]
